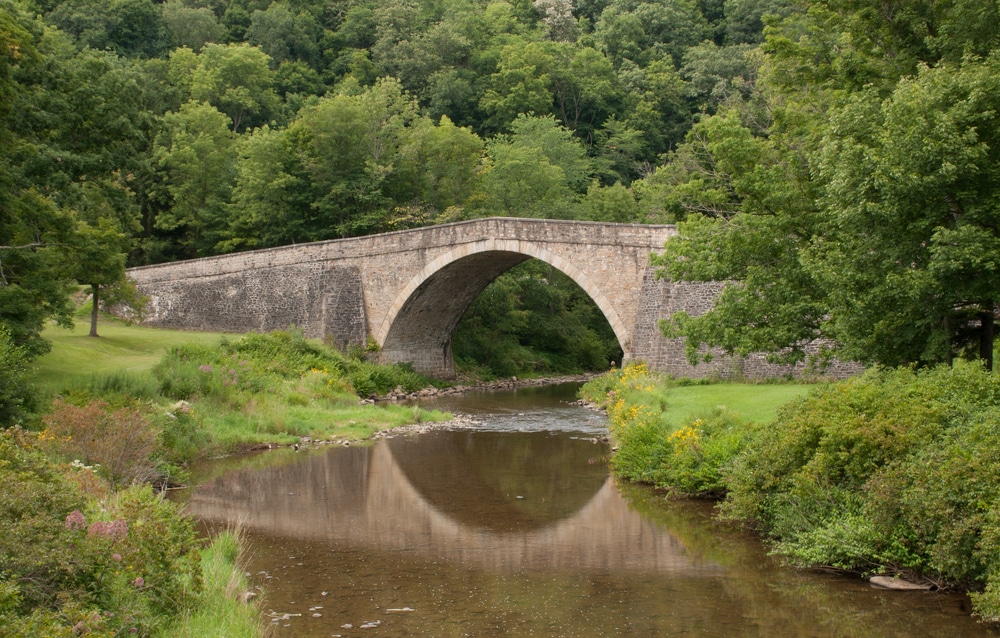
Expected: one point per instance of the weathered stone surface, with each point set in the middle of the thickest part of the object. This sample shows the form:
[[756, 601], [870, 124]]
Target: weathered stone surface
[[892, 582], [408, 289]]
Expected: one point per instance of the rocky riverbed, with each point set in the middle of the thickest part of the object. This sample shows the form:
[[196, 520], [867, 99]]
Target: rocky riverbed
[[483, 386]]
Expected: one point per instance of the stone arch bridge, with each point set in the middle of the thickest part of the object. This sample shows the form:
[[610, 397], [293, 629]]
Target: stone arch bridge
[[407, 290]]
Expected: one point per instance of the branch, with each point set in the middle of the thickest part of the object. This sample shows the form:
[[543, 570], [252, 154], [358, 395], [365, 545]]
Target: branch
[[31, 245]]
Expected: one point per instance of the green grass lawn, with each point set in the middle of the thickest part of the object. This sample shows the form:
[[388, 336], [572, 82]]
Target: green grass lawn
[[753, 402], [75, 354], [281, 416]]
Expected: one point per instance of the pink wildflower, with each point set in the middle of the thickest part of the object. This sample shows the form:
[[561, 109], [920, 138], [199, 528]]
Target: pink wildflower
[[75, 521]]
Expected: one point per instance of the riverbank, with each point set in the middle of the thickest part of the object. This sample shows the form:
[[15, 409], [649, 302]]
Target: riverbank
[[894, 473], [398, 394], [82, 548]]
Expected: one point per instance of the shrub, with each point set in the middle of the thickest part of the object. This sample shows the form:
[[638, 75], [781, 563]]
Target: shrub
[[37, 559], [16, 393], [122, 441], [689, 458], [147, 554], [896, 470], [125, 567]]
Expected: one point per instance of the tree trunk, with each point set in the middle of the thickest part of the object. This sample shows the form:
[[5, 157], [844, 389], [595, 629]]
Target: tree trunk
[[986, 338], [93, 312], [949, 355]]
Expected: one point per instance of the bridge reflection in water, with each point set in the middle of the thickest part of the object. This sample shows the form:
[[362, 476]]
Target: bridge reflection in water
[[478, 499]]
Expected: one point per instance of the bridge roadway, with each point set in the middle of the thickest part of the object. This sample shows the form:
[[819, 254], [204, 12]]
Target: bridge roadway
[[407, 290]]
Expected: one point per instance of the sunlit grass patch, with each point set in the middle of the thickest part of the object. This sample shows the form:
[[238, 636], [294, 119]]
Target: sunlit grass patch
[[752, 402], [120, 347], [269, 420]]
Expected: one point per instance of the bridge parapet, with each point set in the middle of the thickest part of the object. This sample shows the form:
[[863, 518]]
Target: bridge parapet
[[408, 289]]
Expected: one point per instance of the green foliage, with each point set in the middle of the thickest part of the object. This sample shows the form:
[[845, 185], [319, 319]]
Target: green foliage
[[16, 392], [181, 129], [235, 371], [920, 168], [129, 565], [534, 320], [895, 470], [36, 558], [853, 202], [689, 455]]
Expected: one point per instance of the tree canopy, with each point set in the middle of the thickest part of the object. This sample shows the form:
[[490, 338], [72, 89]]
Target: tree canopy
[[833, 161]]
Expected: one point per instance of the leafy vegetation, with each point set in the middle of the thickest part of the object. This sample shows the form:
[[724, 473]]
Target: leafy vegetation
[[854, 203], [127, 564], [158, 131], [894, 471], [534, 320], [681, 436], [87, 546]]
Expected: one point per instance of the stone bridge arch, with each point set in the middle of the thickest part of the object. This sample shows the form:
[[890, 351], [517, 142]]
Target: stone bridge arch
[[422, 318], [406, 290]]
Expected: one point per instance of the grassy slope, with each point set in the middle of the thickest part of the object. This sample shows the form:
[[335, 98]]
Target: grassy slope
[[119, 347], [754, 402], [75, 357]]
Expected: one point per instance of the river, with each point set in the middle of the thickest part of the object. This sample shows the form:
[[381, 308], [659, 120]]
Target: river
[[510, 524]]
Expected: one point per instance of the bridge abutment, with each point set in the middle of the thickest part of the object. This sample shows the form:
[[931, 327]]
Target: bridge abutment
[[407, 290]]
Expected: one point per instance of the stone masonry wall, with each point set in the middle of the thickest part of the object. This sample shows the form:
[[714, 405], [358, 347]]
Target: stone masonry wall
[[661, 298], [392, 287], [307, 296]]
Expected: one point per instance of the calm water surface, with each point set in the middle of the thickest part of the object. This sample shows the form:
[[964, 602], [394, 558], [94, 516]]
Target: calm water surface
[[514, 527]]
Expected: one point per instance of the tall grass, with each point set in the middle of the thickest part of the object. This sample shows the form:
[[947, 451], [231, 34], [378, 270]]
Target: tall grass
[[221, 610], [238, 391], [678, 435]]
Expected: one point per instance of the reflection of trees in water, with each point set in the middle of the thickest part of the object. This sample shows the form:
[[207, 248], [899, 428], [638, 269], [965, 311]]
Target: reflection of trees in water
[[614, 566], [476, 477], [782, 601]]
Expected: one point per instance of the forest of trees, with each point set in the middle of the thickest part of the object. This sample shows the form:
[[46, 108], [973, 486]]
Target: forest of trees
[[838, 165]]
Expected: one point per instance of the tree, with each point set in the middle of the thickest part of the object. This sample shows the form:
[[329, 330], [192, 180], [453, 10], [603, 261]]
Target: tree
[[98, 260], [744, 22], [191, 27], [521, 182], [349, 144], [865, 211], [236, 79], [643, 32], [128, 27], [910, 252], [34, 280], [285, 36], [557, 144], [520, 86], [442, 163], [196, 156], [611, 204], [748, 210], [558, 18], [272, 197], [656, 104], [16, 393]]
